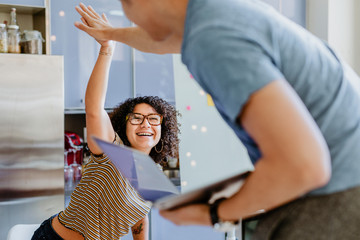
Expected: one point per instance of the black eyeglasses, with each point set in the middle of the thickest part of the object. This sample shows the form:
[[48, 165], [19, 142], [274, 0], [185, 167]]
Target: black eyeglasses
[[154, 119]]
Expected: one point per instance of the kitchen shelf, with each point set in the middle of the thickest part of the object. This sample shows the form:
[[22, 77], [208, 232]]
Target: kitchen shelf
[[29, 18]]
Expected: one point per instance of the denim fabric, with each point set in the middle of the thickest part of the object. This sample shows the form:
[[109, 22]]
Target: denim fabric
[[46, 231]]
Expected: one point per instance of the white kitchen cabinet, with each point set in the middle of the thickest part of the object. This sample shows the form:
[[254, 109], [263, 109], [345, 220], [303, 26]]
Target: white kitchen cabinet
[[37, 3], [131, 74], [154, 75], [80, 52]]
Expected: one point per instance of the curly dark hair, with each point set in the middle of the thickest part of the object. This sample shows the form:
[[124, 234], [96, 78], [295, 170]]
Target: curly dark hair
[[169, 126]]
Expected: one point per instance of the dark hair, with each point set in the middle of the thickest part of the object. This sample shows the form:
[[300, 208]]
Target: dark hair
[[169, 127]]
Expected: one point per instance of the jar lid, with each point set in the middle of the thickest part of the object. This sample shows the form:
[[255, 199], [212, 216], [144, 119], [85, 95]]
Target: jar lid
[[32, 35], [13, 27]]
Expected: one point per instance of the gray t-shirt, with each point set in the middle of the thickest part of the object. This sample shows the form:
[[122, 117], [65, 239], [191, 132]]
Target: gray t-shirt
[[236, 47]]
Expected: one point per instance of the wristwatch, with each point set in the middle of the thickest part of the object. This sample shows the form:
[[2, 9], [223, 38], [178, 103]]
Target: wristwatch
[[218, 224]]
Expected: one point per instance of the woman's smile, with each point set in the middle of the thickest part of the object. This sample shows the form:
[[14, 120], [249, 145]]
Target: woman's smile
[[145, 136]]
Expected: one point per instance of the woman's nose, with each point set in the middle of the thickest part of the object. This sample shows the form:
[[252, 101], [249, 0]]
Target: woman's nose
[[145, 123]]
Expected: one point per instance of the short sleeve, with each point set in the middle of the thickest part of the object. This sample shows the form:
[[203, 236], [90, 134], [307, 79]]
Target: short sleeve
[[229, 67]]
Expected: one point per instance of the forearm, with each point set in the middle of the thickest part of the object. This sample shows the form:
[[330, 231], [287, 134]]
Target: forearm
[[97, 119], [134, 37], [295, 158], [272, 184], [139, 39], [97, 86], [140, 230]]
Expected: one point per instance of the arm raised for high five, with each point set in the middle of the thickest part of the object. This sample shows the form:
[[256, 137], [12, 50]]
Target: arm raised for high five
[[134, 37], [97, 120]]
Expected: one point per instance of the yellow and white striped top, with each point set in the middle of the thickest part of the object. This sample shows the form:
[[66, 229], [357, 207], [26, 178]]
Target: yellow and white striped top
[[103, 205]]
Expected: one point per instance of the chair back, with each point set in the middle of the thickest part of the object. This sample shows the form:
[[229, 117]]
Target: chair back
[[22, 231]]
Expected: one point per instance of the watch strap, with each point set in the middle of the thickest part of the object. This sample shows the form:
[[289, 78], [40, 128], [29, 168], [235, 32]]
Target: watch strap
[[213, 208]]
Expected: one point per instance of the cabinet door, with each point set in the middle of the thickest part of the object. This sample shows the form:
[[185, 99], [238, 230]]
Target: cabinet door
[[37, 3], [80, 52], [154, 75]]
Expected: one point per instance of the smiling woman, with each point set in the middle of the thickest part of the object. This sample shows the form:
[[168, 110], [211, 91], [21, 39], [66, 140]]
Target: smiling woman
[[168, 141], [103, 195]]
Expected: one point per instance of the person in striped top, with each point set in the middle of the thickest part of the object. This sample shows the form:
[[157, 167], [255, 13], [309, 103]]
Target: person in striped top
[[104, 205]]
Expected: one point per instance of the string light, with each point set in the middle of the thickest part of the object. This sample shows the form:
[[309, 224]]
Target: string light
[[203, 129]]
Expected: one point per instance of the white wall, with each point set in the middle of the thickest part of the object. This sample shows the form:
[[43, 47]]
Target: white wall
[[317, 17], [342, 28], [209, 150], [336, 22], [357, 36]]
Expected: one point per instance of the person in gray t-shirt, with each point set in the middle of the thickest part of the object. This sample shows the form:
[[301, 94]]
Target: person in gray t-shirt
[[286, 95]]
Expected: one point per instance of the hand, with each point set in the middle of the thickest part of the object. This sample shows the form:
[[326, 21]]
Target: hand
[[94, 24], [196, 214]]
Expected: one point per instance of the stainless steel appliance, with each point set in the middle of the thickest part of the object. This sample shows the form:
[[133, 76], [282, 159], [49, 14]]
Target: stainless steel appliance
[[31, 139]]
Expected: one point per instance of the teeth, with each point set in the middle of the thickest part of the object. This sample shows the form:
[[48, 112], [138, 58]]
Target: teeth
[[144, 134]]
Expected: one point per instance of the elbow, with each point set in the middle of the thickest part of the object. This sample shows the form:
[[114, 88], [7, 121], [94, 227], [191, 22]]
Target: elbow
[[318, 173], [89, 104], [92, 110], [88, 110], [325, 176], [90, 113], [322, 178]]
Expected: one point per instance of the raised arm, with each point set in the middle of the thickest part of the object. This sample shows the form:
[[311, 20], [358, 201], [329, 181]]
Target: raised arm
[[97, 120], [138, 38], [134, 37]]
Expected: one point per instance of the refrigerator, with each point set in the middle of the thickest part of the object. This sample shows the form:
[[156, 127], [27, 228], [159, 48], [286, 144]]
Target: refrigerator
[[31, 139]]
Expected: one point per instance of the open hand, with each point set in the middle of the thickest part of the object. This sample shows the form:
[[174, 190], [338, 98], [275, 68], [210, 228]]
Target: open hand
[[93, 24], [196, 214]]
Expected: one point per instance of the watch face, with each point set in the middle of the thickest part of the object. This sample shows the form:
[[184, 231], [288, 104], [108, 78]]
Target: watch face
[[226, 226]]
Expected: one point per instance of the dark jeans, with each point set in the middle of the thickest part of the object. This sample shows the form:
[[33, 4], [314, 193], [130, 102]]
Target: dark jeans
[[46, 231], [327, 217]]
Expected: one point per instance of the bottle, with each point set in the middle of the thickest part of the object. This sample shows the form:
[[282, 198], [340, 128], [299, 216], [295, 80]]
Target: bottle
[[13, 17], [3, 39], [13, 34], [13, 39]]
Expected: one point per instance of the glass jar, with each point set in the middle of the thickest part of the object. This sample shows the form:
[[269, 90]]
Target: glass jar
[[13, 39], [31, 42], [3, 39]]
